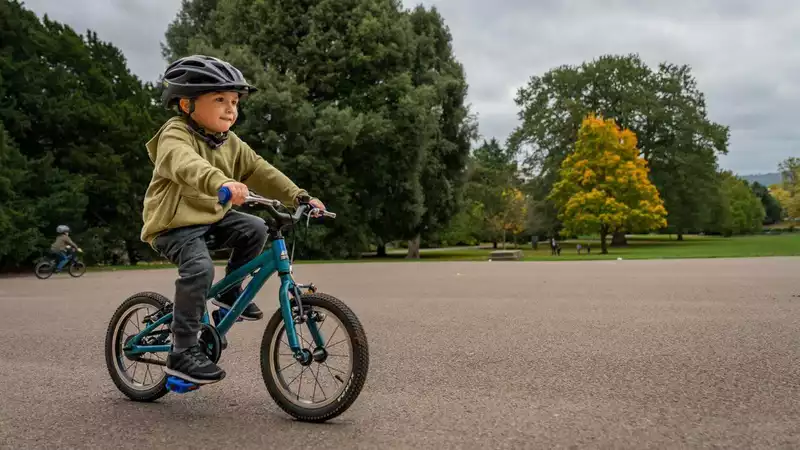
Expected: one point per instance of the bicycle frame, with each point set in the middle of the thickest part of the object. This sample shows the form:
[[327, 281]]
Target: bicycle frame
[[275, 259]]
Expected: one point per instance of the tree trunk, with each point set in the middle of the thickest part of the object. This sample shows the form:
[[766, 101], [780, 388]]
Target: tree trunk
[[494, 244], [603, 246], [504, 239], [618, 239], [132, 256], [680, 235], [381, 250], [413, 248]]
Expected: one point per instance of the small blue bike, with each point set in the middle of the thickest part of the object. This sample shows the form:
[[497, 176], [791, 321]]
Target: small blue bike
[[324, 350]]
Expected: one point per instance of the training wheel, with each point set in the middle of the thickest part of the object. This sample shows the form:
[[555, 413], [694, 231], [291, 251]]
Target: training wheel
[[179, 386]]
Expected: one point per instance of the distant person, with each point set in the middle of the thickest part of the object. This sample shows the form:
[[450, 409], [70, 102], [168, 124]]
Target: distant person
[[63, 246], [553, 245], [579, 248], [195, 154]]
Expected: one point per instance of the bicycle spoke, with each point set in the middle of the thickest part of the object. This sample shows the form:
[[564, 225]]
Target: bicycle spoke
[[301, 383], [329, 367], [290, 383], [332, 334], [314, 392], [343, 340], [329, 371], [290, 365], [325, 397]]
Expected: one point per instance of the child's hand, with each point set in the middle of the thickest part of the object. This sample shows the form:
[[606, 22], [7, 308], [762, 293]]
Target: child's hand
[[316, 204], [239, 191]]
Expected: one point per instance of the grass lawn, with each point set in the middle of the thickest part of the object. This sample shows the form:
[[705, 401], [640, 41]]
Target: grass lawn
[[639, 247], [652, 247]]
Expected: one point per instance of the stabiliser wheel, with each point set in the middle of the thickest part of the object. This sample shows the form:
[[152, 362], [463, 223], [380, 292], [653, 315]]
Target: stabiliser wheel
[[135, 313], [346, 381]]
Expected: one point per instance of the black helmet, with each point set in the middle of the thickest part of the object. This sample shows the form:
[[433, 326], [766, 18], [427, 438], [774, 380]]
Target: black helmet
[[194, 75]]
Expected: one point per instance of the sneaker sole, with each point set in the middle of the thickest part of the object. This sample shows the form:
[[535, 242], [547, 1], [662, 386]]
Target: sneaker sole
[[249, 319], [186, 377]]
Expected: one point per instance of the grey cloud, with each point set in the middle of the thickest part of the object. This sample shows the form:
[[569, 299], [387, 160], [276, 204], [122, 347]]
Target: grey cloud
[[135, 26], [744, 53]]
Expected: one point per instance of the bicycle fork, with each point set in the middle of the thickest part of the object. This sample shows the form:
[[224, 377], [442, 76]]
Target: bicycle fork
[[302, 316]]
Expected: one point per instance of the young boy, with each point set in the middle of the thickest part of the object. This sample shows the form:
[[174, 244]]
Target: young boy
[[195, 155], [61, 244]]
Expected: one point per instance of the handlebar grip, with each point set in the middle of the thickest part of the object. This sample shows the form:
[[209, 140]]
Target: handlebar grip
[[329, 214], [224, 195]]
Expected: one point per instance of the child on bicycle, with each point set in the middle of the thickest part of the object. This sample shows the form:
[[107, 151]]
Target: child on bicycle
[[195, 154], [61, 245]]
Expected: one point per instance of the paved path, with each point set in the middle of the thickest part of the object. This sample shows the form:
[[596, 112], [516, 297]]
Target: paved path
[[485, 355]]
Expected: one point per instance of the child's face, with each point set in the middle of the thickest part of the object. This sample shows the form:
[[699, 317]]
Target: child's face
[[215, 111]]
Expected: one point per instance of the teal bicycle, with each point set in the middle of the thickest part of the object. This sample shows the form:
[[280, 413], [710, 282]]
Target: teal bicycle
[[308, 353]]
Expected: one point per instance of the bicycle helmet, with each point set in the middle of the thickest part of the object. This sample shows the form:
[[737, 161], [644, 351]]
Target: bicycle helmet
[[191, 76], [62, 229]]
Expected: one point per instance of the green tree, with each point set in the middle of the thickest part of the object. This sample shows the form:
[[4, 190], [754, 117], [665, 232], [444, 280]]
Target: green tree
[[740, 210], [348, 107], [80, 119], [492, 172], [664, 108], [447, 151], [771, 206]]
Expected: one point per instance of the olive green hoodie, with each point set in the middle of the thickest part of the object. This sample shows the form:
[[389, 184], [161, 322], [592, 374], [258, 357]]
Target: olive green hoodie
[[188, 173]]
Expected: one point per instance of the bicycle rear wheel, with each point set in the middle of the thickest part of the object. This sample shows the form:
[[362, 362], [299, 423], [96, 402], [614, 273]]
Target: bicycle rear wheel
[[141, 378], [332, 379], [44, 269]]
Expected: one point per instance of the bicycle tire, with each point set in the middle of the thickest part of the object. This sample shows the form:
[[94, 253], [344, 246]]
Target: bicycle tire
[[354, 383], [77, 269], [158, 390], [37, 270]]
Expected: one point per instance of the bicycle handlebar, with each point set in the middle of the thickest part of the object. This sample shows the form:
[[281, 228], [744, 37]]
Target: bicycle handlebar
[[224, 196]]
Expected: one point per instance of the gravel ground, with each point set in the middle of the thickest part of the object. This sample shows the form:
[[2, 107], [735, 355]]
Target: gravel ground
[[601, 354]]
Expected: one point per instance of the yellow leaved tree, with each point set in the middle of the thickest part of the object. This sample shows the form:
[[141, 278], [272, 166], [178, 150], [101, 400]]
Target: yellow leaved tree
[[511, 214], [603, 185]]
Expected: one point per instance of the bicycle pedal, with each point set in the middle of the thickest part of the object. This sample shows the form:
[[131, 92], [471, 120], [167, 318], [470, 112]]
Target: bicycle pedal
[[180, 386]]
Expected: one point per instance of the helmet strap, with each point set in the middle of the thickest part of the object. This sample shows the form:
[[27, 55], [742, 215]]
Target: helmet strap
[[214, 140]]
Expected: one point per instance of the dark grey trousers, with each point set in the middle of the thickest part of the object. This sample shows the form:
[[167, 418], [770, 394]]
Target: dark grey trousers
[[187, 248]]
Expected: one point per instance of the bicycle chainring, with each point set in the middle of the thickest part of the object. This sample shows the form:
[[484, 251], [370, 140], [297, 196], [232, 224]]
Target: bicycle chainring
[[210, 342]]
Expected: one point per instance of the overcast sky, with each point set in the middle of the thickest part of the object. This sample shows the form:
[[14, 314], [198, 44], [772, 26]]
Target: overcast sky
[[745, 54]]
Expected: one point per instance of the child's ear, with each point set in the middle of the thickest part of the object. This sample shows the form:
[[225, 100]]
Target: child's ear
[[183, 104]]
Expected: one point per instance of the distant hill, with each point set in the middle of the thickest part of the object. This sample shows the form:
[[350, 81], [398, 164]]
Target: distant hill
[[765, 179]]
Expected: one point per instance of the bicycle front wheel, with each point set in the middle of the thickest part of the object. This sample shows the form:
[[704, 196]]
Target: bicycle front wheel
[[77, 268], [330, 378]]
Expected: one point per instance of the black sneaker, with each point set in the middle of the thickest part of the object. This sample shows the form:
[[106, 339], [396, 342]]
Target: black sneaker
[[193, 365], [227, 299]]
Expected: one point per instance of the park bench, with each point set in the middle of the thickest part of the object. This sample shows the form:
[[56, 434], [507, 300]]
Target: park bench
[[505, 255]]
